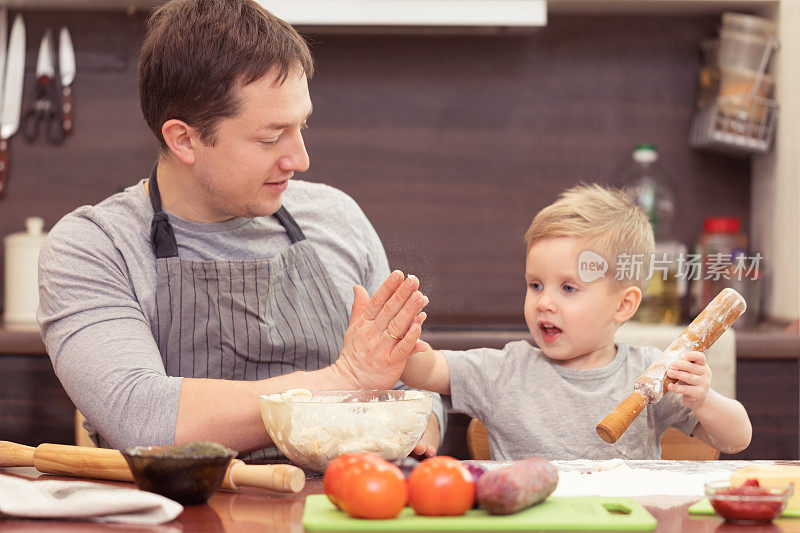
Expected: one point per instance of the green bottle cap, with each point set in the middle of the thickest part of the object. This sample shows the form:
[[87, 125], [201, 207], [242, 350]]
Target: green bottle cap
[[645, 146]]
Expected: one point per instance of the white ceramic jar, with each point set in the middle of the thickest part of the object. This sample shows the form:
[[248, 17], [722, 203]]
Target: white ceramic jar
[[21, 275]]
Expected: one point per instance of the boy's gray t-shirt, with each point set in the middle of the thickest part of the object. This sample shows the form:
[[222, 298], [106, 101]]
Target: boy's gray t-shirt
[[532, 406], [97, 282]]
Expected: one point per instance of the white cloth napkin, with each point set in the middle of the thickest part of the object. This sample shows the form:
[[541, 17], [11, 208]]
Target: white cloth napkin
[[81, 500]]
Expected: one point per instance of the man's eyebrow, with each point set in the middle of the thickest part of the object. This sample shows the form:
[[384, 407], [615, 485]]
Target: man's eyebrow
[[283, 126]]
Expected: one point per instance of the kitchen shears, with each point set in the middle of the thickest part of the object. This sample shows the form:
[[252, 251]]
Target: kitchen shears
[[45, 110]]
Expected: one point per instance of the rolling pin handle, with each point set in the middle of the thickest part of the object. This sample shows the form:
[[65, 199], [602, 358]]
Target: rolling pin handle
[[13, 454], [280, 478], [614, 425], [227, 479]]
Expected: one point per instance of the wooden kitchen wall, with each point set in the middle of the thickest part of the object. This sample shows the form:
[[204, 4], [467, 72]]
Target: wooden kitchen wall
[[449, 143]]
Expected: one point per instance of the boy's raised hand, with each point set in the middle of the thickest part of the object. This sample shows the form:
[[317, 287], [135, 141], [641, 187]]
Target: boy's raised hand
[[384, 330], [694, 379]]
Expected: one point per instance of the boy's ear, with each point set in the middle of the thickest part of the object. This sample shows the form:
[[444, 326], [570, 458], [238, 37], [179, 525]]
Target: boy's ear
[[180, 138], [628, 304]]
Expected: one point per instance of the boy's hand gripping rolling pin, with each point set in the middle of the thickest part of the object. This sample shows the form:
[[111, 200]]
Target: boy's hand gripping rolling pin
[[652, 385]]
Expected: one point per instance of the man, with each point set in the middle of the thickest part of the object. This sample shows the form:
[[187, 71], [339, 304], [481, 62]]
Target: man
[[168, 308]]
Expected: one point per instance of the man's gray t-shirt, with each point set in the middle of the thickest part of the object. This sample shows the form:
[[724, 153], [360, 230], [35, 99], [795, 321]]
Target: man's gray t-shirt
[[532, 406], [97, 282]]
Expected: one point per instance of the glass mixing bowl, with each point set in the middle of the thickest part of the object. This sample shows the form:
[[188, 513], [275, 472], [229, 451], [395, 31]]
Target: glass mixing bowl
[[312, 428]]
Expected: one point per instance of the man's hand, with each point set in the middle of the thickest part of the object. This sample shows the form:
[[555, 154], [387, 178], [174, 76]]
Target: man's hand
[[384, 330], [429, 443], [694, 379]]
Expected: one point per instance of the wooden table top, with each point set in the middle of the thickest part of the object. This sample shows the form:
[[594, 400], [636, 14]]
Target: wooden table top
[[256, 510]]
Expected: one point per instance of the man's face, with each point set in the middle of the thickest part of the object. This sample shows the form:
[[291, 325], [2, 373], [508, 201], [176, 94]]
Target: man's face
[[257, 151], [571, 321]]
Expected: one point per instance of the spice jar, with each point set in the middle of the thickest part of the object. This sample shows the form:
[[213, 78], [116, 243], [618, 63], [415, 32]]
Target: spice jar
[[721, 243]]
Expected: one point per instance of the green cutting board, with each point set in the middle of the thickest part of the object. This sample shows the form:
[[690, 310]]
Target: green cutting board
[[556, 514], [704, 507]]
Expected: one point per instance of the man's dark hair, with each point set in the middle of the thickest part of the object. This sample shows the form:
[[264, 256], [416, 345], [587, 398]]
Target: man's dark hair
[[197, 53]]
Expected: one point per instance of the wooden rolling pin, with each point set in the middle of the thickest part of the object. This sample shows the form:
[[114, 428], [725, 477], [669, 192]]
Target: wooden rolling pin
[[102, 463], [651, 386]]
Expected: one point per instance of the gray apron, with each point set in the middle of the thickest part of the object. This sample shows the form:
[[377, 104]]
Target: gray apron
[[244, 320]]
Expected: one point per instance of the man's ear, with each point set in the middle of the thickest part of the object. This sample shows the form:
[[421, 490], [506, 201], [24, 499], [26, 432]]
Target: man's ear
[[628, 304], [180, 138]]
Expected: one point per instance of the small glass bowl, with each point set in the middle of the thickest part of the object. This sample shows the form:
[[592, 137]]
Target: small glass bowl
[[760, 507], [188, 473]]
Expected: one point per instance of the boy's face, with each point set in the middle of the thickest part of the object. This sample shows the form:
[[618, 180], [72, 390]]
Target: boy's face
[[572, 321]]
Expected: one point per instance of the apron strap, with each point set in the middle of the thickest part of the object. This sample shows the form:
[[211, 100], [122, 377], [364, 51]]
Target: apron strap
[[162, 237], [289, 224]]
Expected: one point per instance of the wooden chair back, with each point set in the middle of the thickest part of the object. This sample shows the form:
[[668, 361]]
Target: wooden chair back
[[81, 435]]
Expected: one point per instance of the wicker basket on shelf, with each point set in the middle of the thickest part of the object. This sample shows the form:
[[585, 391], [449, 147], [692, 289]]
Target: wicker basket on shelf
[[736, 112]]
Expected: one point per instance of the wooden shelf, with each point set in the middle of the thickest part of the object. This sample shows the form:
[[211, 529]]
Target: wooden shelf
[[21, 342], [658, 7], [749, 344]]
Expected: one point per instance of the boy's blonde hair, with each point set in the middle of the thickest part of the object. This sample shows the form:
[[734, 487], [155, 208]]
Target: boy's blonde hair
[[609, 221]]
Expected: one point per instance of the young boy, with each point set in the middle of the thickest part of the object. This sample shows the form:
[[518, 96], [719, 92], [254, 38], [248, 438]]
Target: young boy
[[547, 401]]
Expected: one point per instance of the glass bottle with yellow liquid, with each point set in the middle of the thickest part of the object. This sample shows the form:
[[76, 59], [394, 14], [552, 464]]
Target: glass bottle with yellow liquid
[[662, 300], [654, 192]]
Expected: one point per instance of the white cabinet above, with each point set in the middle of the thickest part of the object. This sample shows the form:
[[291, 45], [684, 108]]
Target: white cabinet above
[[382, 13], [510, 13]]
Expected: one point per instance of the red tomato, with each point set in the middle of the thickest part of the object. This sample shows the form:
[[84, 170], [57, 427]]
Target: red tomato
[[365, 486], [441, 486], [373, 488], [333, 479]]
